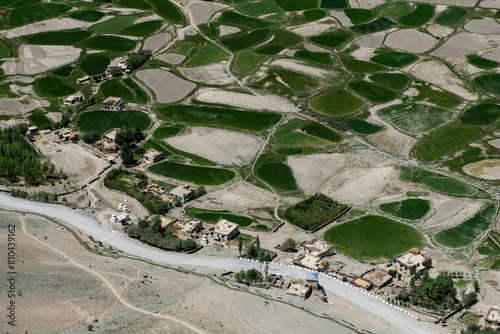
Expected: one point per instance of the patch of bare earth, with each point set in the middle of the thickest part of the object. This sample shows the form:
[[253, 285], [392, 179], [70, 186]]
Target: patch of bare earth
[[167, 87]]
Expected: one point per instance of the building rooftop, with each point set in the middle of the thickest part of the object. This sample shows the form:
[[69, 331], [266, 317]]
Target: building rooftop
[[361, 282], [378, 278], [317, 246], [113, 100], [152, 153], [312, 277], [167, 222], [181, 190], [310, 261], [493, 315], [410, 260], [224, 226]]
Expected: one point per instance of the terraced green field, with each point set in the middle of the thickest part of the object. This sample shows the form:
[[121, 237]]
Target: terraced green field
[[412, 209], [288, 127], [256, 9], [301, 139], [39, 119], [373, 238], [140, 95], [207, 54], [225, 117], [332, 39], [168, 11], [318, 57], [193, 174], [94, 64], [398, 10], [230, 17], [115, 24], [372, 92], [415, 118], [359, 66], [245, 40], [64, 71], [394, 59], [362, 126], [445, 141], [115, 87], [166, 131], [142, 29], [468, 231], [489, 82], [420, 15], [278, 175], [482, 62], [100, 121], [396, 81], [64, 37], [89, 15], [321, 131], [52, 87], [5, 50], [110, 43], [482, 114], [336, 103], [333, 4], [451, 16], [214, 216], [295, 5], [358, 15], [314, 15], [138, 4], [297, 81], [450, 186], [247, 62], [35, 13], [380, 24]]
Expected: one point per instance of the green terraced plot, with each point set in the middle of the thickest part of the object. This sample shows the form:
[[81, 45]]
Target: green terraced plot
[[64, 71], [245, 40], [414, 208], [372, 92], [489, 82], [398, 10], [168, 11], [483, 114], [64, 37], [115, 24], [194, 174], [39, 119], [415, 119], [358, 15], [314, 15], [52, 87], [288, 127], [115, 87], [422, 14], [451, 16], [318, 57], [373, 238], [445, 141], [394, 59], [207, 54], [301, 139], [336, 103], [482, 62], [380, 24], [321, 131], [259, 8], [277, 175], [111, 43], [450, 186], [297, 81], [295, 5], [87, 15], [238, 19], [5, 50], [138, 4], [332, 39], [35, 13], [362, 126], [166, 131], [247, 62], [289, 150], [214, 216], [224, 117], [468, 231], [140, 95], [281, 38], [441, 98], [360, 66], [94, 64], [333, 4], [100, 121], [396, 81], [142, 29]]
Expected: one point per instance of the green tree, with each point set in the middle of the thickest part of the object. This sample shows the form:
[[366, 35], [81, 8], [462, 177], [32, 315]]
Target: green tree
[[253, 275], [470, 298], [240, 245], [127, 155], [288, 245], [241, 276]]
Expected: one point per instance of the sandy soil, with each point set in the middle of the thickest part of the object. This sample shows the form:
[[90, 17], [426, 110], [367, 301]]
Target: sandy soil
[[492, 55], [167, 87], [156, 42], [486, 169], [439, 30], [489, 4], [311, 171], [301, 67], [448, 212], [203, 11], [374, 40], [440, 75], [461, 65], [315, 28], [392, 141], [55, 116], [458, 45], [228, 30], [36, 59], [410, 40], [495, 143], [172, 58], [463, 3], [363, 53], [343, 19], [312, 48], [245, 101], [49, 25], [212, 74], [482, 26], [490, 292], [16, 107], [222, 146]]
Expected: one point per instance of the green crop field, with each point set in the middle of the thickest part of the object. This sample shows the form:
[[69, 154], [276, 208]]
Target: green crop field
[[137, 4], [482, 62], [64, 37], [380, 24], [295, 5], [441, 98], [166, 131], [94, 64], [451, 16], [225, 117], [115, 24], [297, 81], [52, 87], [321, 131], [213, 216], [36, 13], [373, 238], [314, 15], [229, 17], [482, 114], [396, 81], [5, 50], [194, 174], [115, 87], [142, 29], [336, 103], [111, 43], [419, 16], [445, 141], [246, 39], [398, 10], [318, 57], [140, 95], [394, 59], [39, 119], [450, 186], [288, 127], [278, 175], [207, 54], [355, 65], [301, 139], [332, 39], [259, 8], [489, 82], [247, 62], [413, 208], [87, 15], [100, 121], [362, 126], [372, 92], [415, 119], [157, 145], [334, 4], [465, 233], [358, 15], [64, 71], [168, 11], [281, 39]]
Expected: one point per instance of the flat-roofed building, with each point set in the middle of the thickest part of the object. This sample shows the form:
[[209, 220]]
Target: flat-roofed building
[[83, 80], [181, 191], [299, 290], [113, 103], [378, 278], [224, 230], [152, 156], [493, 316], [362, 283], [412, 262], [168, 223], [318, 247], [312, 262], [188, 226], [73, 99]]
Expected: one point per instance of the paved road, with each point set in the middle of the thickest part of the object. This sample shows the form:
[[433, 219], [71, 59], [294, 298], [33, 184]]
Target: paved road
[[335, 289]]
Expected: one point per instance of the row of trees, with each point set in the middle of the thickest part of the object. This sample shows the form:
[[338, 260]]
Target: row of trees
[[254, 252], [250, 276], [475, 329], [151, 232], [39, 196]]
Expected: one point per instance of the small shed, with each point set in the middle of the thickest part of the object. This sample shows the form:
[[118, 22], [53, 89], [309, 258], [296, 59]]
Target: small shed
[[312, 280]]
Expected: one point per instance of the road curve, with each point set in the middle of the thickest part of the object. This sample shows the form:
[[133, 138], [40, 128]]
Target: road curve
[[335, 289]]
